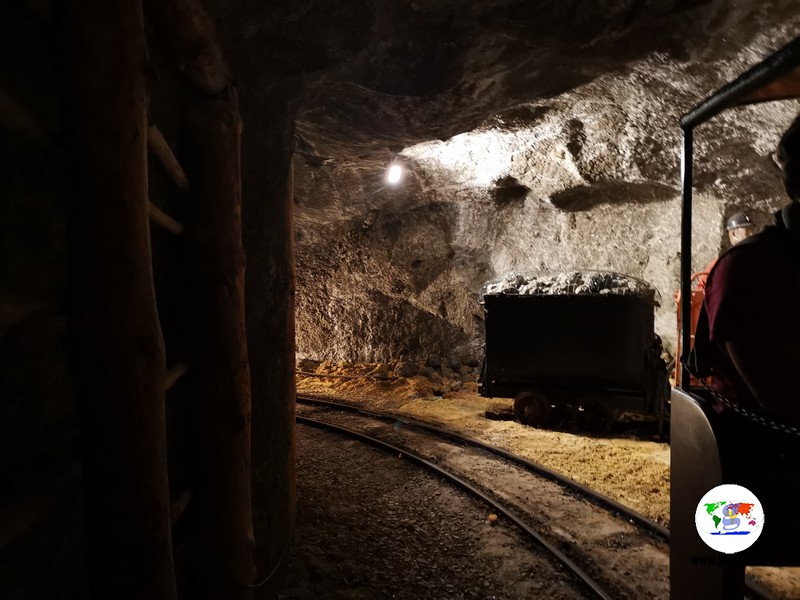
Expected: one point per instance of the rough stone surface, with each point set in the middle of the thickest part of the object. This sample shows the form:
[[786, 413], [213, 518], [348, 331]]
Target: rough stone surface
[[626, 465], [534, 136]]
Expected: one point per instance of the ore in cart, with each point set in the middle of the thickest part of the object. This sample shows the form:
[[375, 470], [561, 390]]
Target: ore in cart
[[593, 356]]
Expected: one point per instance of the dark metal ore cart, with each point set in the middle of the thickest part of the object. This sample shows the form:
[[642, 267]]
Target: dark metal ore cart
[[595, 356]]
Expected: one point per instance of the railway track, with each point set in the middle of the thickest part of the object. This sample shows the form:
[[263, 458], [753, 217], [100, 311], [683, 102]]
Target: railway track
[[614, 551], [559, 520], [655, 529]]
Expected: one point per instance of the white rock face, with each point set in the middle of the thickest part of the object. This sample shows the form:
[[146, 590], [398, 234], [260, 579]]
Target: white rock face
[[543, 158]]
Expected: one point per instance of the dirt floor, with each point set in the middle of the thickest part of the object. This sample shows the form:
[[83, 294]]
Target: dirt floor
[[380, 528], [629, 470], [630, 465]]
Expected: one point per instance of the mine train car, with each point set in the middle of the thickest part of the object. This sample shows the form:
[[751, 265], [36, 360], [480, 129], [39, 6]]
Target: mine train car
[[594, 358], [695, 460]]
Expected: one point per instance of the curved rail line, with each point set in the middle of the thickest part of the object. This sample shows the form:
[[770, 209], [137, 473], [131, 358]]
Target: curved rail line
[[596, 588], [757, 591], [597, 498]]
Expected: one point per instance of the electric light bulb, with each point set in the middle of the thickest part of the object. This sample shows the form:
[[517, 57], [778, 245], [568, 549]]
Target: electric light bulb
[[395, 174]]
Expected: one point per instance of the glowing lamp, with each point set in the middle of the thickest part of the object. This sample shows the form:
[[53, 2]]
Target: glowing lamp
[[394, 174]]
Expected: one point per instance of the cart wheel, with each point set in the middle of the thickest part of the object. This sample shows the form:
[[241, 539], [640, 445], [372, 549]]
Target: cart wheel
[[594, 414], [532, 407]]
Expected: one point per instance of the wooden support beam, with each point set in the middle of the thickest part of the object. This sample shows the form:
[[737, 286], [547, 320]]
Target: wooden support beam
[[43, 9], [114, 335], [17, 519], [187, 31], [269, 245], [174, 373], [13, 310], [20, 517], [163, 220], [223, 541], [15, 117], [159, 146], [179, 505], [337, 376]]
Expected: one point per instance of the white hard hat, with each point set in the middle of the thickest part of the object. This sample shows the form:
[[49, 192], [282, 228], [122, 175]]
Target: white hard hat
[[738, 220]]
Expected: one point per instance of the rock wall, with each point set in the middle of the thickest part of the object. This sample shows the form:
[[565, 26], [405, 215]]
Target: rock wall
[[581, 174]]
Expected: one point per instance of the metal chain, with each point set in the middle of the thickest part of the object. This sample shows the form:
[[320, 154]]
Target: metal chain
[[750, 415]]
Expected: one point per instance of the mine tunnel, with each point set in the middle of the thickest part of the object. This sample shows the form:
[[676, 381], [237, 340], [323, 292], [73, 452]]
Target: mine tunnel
[[363, 299]]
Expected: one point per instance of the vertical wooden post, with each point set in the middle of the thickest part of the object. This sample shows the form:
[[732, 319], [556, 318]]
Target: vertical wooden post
[[223, 530], [116, 347], [188, 33], [268, 241]]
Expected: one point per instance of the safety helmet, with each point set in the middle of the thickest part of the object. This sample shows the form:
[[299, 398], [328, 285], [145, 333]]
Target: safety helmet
[[738, 220]]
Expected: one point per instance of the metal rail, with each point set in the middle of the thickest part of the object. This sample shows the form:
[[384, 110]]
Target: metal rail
[[756, 590], [744, 89], [596, 588], [686, 257], [597, 498]]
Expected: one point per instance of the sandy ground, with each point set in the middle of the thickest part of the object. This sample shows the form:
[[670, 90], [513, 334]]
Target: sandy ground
[[630, 466], [631, 471]]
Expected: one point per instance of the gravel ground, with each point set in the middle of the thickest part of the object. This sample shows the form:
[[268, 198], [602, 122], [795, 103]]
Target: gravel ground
[[371, 526], [628, 564], [629, 469]]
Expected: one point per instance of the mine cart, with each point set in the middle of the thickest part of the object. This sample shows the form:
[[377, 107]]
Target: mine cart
[[594, 356]]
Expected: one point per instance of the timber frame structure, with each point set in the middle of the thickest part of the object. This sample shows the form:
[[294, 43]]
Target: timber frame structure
[[114, 322], [155, 308]]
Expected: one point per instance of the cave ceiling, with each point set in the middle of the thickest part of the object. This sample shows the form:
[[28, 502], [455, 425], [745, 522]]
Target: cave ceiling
[[534, 136]]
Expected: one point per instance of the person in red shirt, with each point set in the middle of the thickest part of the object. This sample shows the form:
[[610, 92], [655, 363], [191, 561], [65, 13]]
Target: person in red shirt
[[739, 227], [752, 297], [747, 346], [751, 301]]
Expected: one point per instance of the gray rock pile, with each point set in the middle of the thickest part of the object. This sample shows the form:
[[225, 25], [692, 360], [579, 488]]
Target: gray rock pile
[[572, 282]]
